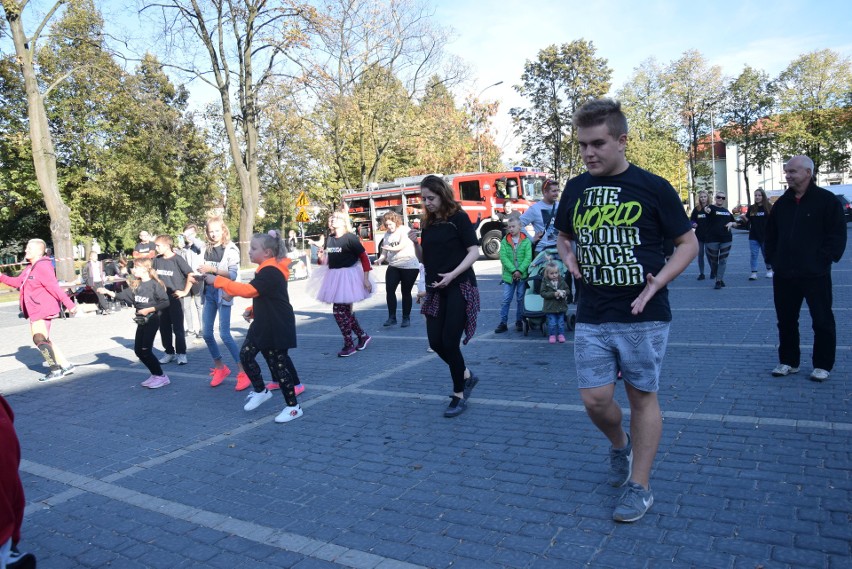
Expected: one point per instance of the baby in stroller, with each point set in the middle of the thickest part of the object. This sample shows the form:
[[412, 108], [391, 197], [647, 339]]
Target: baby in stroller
[[539, 310]]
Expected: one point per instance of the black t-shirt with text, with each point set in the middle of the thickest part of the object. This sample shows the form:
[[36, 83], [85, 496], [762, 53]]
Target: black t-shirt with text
[[172, 271], [445, 245], [147, 294], [619, 224], [343, 251], [717, 221]]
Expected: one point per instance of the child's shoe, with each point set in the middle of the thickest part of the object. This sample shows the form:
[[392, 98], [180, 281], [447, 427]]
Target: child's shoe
[[243, 381], [346, 351], [560, 338], [159, 381], [149, 381], [552, 339], [363, 341], [219, 374], [288, 414]]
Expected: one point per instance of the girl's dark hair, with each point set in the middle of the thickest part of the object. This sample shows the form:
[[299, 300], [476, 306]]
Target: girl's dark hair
[[449, 205], [274, 243]]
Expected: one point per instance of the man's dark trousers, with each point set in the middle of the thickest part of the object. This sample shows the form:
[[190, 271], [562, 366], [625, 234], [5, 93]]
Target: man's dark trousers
[[789, 294]]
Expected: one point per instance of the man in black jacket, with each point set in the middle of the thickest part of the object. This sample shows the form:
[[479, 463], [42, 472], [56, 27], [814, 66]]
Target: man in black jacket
[[806, 232]]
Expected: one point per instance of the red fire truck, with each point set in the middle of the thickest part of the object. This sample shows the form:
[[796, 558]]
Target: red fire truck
[[481, 196]]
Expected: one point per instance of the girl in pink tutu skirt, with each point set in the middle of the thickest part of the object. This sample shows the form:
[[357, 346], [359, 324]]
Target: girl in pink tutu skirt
[[345, 280]]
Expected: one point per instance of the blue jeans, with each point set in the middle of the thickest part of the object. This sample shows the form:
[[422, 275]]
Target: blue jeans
[[556, 324], [208, 317], [515, 289], [756, 247]]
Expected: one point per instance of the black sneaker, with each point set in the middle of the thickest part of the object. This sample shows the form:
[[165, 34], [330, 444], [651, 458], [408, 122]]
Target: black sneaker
[[712, 276], [723, 284], [456, 407], [52, 374], [406, 322], [701, 277], [718, 285], [501, 328], [18, 560], [390, 321], [519, 326]]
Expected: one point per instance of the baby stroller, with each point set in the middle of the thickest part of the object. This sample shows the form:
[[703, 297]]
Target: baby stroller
[[534, 318]]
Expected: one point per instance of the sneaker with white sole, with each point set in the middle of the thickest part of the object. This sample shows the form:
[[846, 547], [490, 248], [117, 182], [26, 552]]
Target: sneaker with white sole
[[819, 375], [255, 399], [770, 274], [69, 369], [159, 381], [620, 464], [181, 360], [149, 381], [288, 414], [753, 277], [167, 359], [634, 503], [783, 369]]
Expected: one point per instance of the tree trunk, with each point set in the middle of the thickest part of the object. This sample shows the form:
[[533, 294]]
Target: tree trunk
[[44, 156]]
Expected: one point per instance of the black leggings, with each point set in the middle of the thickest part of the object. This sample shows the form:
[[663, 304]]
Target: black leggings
[[280, 367], [172, 320], [144, 344], [393, 277], [445, 331]]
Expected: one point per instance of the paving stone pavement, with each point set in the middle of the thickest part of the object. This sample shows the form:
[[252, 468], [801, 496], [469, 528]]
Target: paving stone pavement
[[752, 471]]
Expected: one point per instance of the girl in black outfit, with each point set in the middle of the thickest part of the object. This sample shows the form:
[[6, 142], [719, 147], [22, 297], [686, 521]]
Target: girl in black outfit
[[273, 328], [718, 245], [699, 224], [758, 215], [147, 294], [448, 249]]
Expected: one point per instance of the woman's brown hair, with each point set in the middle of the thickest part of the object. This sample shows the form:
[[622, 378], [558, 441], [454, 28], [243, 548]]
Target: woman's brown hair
[[449, 205]]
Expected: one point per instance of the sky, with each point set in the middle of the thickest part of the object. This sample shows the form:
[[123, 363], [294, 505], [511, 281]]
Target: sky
[[497, 37]]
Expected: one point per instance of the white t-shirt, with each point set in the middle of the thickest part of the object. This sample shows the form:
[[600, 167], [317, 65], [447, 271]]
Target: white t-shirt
[[541, 215]]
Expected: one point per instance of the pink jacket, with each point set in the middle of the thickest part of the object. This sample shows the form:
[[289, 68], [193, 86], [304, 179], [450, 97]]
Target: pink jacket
[[40, 291]]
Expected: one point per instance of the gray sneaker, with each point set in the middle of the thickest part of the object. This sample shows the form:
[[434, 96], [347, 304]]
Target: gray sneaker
[[783, 369], [620, 464], [633, 504]]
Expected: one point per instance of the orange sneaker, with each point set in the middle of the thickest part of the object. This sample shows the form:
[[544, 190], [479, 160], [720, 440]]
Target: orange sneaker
[[243, 381], [272, 385], [219, 374]]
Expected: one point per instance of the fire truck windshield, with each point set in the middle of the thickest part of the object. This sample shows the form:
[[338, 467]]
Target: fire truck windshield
[[532, 187]]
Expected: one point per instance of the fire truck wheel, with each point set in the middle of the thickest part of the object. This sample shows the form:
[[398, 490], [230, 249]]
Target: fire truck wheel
[[491, 244]]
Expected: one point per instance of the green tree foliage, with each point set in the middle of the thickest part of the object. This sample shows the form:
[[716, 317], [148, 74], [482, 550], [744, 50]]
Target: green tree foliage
[[653, 125], [556, 85], [815, 103], [746, 110], [695, 90]]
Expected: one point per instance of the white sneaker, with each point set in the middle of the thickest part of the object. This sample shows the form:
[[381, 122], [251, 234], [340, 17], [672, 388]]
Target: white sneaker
[[167, 359], [753, 277], [784, 369], [181, 359], [288, 414], [254, 399], [159, 381], [770, 274], [819, 375]]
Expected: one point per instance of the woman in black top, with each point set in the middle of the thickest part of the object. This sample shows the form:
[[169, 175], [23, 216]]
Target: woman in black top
[[699, 224], [718, 244], [448, 249], [345, 280], [758, 214]]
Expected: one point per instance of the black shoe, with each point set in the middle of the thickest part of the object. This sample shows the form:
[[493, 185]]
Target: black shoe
[[53, 374], [390, 321], [501, 328], [18, 560], [712, 276], [469, 384], [406, 322], [457, 407], [701, 277], [723, 284], [718, 285], [519, 326]]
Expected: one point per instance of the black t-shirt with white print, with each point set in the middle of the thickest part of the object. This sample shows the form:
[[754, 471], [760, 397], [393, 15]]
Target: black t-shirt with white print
[[172, 271], [619, 224]]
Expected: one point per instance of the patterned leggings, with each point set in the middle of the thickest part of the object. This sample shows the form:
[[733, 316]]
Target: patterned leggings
[[279, 366], [347, 323]]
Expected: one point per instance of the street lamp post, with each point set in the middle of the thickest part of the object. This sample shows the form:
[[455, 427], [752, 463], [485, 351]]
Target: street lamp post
[[478, 138]]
